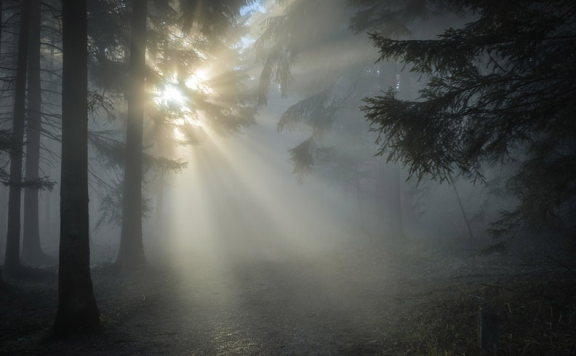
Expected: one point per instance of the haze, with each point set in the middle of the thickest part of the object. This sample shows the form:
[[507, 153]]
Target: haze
[[328, 177]]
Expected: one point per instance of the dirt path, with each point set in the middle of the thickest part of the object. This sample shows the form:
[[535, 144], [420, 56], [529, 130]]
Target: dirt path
[[262, 308], [298, 305], [242, 307]]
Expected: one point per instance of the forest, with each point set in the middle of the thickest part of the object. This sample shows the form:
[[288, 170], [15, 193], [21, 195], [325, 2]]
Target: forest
[[287, 177]]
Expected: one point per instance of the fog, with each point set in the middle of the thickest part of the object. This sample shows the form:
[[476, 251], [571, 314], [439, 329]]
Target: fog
[[327, 177]]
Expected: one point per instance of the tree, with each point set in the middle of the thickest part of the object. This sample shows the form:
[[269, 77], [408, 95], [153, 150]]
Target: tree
[[339, 147], [131, 255], [12, 259], [31, 249], [501, 87], [2, 139], [395, 19], [211, 20], [77, 309]]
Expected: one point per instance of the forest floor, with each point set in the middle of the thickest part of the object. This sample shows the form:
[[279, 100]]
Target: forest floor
[[373, 302]]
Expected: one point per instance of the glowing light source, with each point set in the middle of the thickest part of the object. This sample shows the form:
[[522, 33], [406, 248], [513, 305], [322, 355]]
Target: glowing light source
[[198, 81], [171, 95]]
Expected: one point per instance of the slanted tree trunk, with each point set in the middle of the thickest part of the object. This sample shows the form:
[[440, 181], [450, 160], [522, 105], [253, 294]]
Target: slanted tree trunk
[[12, 259], [32, 253], [131, 254], [77, 309]]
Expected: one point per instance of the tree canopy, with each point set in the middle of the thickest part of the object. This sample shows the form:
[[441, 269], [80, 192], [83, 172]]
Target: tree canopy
[[500, 89]]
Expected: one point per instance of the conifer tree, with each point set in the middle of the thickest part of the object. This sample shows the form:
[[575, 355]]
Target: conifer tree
[[501, 87], [31, 249], [131, 255], [77, 309], [211, 19], [12, 259]]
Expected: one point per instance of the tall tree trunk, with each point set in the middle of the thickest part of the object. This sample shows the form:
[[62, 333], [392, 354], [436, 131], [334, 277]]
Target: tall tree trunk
[[48, 210], [131, 254], [77, 309], [12, 259], [32, 253], [1, 22], [50, 144], [1, 208], [407, 92]]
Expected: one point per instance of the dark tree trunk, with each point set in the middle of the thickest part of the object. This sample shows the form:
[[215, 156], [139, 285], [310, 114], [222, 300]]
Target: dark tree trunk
[[1, 22], [32, 253], [407, 92], [50, 144], [1, 208], [12, 259], [77, 309], [131, 255], [48, 211]]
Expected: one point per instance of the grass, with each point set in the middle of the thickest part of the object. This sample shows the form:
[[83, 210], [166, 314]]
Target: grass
[[537, 314]]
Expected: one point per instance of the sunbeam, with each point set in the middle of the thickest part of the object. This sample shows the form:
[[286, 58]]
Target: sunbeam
[[296, 177]]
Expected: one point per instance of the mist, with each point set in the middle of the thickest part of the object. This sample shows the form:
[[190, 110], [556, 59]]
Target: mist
[[331, 177]]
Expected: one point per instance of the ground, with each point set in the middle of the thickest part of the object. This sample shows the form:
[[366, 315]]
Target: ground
[[374, 302]]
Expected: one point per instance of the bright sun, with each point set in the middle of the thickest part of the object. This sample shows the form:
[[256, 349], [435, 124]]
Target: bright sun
[[171, 95]]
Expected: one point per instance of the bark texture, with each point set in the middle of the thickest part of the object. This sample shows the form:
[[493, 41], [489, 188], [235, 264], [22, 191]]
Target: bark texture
[[12, 258], [77, 309], [131, 255], [1, 28], [32, 253]]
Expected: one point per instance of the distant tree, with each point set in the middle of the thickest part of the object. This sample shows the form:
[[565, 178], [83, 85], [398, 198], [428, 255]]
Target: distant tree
[[502, 87], [109, 69], [77, 309], [339, 147], [210, 19], [12, 259], [131, 254]]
